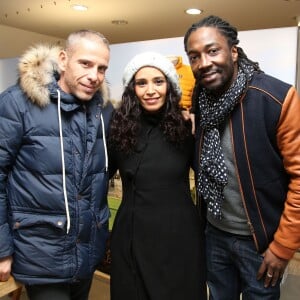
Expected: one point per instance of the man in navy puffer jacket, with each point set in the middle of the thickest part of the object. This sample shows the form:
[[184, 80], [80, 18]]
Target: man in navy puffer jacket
[[53, 168]]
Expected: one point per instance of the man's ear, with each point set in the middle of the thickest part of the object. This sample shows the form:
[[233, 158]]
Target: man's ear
[[234, 53], [62, 60]]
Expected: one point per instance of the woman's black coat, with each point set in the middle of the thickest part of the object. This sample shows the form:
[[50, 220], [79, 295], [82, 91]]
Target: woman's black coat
[[157, 247]]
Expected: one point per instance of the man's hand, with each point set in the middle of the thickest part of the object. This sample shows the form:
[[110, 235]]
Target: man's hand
[[189, 116], [272, 268], [5, 268]]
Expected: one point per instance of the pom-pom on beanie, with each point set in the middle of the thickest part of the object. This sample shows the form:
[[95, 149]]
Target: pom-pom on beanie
[[152, 59]]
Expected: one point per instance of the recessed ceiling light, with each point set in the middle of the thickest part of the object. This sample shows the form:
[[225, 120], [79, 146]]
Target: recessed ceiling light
[[79, 7], [193, 11]]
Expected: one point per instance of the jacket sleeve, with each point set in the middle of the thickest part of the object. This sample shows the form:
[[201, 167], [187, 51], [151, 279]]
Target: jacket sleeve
[[287, 237], [10, 141]]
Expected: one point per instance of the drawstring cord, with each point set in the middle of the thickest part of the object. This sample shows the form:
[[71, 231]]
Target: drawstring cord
[[104, 142], [63, 158], [63, 164]]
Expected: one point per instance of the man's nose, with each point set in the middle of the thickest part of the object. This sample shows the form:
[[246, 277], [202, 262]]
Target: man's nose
[[93, 74], [204, 62]]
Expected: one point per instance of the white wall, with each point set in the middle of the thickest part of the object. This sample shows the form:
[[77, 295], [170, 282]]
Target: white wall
[[8, 71], [274, 49], [15, 41]]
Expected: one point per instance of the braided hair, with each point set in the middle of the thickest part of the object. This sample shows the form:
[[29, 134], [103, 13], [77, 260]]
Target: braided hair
[[228, 31]]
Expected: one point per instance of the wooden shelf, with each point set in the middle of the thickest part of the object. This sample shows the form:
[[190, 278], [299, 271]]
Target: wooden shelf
[[10, 286]]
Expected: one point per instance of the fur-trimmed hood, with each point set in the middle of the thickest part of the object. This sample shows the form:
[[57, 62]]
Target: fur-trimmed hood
[[37, 68]]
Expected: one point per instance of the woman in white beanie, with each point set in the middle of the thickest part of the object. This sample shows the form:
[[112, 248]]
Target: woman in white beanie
[[156, 245]]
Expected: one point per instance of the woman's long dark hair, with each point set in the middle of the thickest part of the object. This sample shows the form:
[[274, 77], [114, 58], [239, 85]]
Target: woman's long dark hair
[[126, 121]]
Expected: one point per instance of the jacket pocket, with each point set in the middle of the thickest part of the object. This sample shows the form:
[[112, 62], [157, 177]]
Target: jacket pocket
[[40, 245], [27, 220]]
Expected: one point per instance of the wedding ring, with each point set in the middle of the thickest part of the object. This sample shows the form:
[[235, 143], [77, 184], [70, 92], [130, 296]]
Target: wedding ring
[[269, 275]]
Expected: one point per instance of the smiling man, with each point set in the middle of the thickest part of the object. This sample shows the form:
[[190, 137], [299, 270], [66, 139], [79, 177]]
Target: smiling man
[[248, 168], [83, 65], [53, 168]]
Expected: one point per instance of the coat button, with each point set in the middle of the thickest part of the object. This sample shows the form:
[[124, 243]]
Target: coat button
[[59, 223], [79, 197], [17, 225]]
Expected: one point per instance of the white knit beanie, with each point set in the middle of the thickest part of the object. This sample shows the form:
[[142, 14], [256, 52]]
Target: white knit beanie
[[152, 59]]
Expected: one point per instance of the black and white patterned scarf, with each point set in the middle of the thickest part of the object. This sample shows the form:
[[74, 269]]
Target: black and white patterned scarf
[[212, 176]]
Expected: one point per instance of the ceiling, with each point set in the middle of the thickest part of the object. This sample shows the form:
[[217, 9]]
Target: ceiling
[[147, 19]]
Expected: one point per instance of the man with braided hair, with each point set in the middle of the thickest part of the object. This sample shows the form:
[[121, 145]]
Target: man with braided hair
[[247, 164]]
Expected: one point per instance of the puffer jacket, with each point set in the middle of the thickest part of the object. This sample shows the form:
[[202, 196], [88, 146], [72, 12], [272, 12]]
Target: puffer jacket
[[265, 133], [187, 82], [53, 175]]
